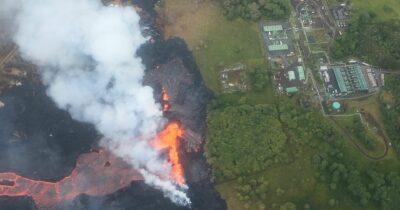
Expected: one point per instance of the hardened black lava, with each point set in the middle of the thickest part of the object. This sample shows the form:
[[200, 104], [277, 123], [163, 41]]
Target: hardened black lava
[[54, 140]]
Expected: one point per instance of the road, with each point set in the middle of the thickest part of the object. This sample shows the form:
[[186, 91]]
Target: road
[[345, 132], [325, 16]]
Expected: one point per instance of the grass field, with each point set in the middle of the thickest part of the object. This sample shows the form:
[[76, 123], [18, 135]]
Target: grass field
[[216, 42], [385, 9], [379, 146], [299, 185]]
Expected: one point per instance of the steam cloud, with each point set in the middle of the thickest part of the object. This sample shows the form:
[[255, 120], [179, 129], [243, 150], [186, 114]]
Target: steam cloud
[[85, 52]]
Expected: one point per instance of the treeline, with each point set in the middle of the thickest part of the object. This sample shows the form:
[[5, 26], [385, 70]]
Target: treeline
[[371, 39], [365, 186], [357, 129], [243, 140], [258, 79], [391, 110], [255, 9]]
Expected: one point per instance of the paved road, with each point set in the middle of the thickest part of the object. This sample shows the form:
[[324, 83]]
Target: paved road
[[324, 16], [359, 147]]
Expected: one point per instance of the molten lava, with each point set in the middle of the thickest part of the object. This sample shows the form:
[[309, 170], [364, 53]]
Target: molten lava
[[169, 139], [96, 173], [165, 100]]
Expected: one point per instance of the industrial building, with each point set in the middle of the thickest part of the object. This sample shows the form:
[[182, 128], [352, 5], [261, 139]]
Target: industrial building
[[292, 90], [341, 15], [289, 74], [276, 38], [350, 78], [354, 78], [300, 71]]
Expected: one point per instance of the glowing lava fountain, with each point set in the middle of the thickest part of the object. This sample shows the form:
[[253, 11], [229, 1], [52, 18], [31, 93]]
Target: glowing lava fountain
[[169, 139], [96, 173], [165, 100]]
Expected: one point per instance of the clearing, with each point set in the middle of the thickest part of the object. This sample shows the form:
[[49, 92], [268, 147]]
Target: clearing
[[216, 42]]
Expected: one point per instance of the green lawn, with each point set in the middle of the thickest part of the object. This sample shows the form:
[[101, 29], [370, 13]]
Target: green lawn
[[385, 9], [378, 149], [228, 43], [216, 42]]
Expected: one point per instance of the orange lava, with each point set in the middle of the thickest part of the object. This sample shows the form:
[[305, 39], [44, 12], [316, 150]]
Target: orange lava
[[165, 100], [169, 139], [96, 174]]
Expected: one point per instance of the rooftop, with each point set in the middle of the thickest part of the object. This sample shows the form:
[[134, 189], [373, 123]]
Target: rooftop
[[278, 47], [300, 70], [292, 89], [273, 28], [339, 78], [292, 76]]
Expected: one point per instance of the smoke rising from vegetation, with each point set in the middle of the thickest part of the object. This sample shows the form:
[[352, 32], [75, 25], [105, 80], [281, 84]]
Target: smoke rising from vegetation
[[86, 56]]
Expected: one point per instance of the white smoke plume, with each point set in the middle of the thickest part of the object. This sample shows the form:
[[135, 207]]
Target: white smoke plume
[[86, 55]]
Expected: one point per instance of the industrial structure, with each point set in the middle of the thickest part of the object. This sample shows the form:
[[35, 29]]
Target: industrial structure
[[276, 38], [351, 79], [289, 73]]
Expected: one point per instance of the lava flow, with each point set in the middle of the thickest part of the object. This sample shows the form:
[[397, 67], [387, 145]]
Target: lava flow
[[96, 173], [169, 139], [165, 100]]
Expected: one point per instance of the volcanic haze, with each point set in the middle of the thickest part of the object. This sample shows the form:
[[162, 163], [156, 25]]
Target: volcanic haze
[[86, 57]]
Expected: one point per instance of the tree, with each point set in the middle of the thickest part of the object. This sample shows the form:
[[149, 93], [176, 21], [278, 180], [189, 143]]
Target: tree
[[332, 202], [235, 132], [255, 9], [258, 79], [372, 39], [288, 206]]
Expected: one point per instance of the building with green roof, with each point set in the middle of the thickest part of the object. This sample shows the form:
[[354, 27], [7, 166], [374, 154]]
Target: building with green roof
[[300, 70], [292, 90], [362, 83], [350, 78], [278, 47], [273, 28], [340, 80]]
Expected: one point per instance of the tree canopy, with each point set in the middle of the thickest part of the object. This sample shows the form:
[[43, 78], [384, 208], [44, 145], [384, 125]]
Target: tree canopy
[[371, 39], [237, 131], [255, 9]]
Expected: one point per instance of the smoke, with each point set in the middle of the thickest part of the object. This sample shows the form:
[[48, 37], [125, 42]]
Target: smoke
[[7, 11], [86, 56]]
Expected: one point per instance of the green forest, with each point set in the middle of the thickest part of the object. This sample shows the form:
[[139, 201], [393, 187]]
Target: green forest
[[246, 140], [371, 39], [270, 153], [391, 110], [256, 9]]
